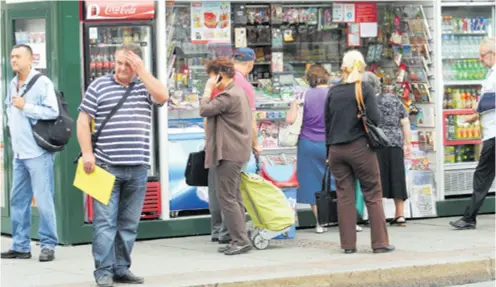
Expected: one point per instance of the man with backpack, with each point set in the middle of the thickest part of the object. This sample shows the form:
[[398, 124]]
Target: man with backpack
[[29, 102], [121, 106]]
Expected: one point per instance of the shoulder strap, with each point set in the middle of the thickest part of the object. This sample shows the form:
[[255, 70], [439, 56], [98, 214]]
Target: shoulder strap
[[359, 99], [96, 135], [31, 83]]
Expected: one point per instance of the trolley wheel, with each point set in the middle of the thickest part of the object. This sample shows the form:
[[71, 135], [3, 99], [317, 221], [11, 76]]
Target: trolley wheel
[[259, 242]]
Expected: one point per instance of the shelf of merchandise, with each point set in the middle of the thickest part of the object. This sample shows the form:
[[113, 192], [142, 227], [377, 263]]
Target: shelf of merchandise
[[460, 165], [463, 83]]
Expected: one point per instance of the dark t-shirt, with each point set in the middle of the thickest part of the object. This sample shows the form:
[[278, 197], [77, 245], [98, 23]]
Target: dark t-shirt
[[342, 124]]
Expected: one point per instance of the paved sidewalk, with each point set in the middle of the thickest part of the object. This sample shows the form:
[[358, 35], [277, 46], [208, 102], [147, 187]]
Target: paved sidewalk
[[424, 248]]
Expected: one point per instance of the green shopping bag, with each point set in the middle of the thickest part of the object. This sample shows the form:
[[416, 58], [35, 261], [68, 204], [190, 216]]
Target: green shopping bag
[[360, 204]]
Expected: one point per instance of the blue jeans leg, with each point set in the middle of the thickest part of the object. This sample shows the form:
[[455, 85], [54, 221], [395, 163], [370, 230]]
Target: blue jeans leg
[[130, 207], [115, 225], [20, 207], [42, 182], [105, 228]]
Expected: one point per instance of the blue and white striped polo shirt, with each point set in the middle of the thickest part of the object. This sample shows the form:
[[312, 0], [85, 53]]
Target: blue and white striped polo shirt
[[486, 105], [125, 139]]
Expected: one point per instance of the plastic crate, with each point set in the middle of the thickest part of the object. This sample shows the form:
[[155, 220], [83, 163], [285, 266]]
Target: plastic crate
[[152, 206]]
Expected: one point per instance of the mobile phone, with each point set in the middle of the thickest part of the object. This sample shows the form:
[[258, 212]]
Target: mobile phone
[[219, 78]]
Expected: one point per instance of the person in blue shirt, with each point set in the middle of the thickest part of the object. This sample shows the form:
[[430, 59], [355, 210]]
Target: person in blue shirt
[[32, 165]]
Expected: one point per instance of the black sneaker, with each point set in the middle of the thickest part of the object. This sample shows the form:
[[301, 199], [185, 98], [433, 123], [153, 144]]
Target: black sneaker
[[386, 249], [236, 250], [11, 254], [350, 250], [47, 255], [129, 278], [105, 281], [461, 224]]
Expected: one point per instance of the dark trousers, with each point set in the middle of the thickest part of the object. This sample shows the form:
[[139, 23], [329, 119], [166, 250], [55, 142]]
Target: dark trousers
[[217, 225], [228, 176], [483, 179], [350, 161]]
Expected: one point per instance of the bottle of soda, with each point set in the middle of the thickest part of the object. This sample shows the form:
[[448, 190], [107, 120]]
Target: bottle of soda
[[92, 67], [106, 63], [99, 65]]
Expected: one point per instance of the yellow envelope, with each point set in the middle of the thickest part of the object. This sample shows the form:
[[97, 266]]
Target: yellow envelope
[[98, 184]]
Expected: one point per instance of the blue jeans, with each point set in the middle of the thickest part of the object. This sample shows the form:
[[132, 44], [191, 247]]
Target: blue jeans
[[33, 176], [115, 225]]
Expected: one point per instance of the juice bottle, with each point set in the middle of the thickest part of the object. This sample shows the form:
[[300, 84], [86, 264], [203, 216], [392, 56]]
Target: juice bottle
[[449, 101], [470, 131], [477, 133], [468, 103], [463, 99], [456, 98]]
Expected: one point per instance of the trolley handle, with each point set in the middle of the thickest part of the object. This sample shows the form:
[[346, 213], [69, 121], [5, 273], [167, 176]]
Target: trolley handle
[[257, 162]]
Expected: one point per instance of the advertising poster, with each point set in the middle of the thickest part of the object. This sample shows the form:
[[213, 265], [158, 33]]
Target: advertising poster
[[211, 22]]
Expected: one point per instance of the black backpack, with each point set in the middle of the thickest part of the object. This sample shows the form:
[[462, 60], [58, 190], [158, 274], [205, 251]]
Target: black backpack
[[52, 135]]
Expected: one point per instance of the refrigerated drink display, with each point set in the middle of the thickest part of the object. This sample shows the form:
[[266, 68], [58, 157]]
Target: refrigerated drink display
[[462, 30], [103, 42]]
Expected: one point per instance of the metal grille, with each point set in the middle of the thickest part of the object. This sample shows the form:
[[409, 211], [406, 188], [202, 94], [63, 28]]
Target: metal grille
[[457, 182]]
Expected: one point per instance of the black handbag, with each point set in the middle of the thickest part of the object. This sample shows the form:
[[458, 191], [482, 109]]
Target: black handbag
[[376, 137], [326, 201], [196, 174]]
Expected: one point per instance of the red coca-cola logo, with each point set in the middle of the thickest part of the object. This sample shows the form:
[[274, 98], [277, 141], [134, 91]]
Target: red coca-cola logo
[[112, 9], [117, 9]]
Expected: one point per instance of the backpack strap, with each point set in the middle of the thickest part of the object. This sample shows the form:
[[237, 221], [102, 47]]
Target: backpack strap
[[31, 83]]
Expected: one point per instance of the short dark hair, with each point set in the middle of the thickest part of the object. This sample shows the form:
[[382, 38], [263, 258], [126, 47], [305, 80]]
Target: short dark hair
[[27, 47], [221, 64], [317, 75], [131, 48]]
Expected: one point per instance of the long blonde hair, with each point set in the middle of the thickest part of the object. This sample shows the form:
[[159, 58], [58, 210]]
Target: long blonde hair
[[353, 67]]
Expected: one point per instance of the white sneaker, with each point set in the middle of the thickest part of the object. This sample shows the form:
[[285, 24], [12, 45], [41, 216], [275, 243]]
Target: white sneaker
[[320, 229], [359, 229]]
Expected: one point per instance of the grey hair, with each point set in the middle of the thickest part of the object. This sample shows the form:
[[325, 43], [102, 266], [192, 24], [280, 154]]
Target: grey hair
[[373, 81], [131, 48], [490, 43]]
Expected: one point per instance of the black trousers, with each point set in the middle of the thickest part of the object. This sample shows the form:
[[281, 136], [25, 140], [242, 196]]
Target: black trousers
[[483, 179]]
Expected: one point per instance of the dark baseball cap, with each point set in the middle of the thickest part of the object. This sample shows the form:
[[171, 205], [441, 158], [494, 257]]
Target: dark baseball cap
[[244, 54]]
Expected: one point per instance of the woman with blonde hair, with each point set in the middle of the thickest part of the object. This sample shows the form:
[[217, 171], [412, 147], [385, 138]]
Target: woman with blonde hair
[[350, 156]]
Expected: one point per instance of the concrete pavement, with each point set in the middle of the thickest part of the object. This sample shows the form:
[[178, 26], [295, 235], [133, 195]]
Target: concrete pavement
[[429, 253]]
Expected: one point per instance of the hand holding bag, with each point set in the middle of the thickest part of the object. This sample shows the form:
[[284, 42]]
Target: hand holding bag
[[326, 201], [376, 137]]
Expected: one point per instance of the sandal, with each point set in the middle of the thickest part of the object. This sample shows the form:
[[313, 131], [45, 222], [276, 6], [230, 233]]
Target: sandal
[[398, 222]]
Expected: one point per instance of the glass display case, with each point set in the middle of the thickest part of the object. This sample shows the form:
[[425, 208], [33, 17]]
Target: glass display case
[[462, 30]]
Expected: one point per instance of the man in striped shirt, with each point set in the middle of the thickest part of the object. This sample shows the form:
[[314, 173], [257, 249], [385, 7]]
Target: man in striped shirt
[[123, 149], [486, 113]]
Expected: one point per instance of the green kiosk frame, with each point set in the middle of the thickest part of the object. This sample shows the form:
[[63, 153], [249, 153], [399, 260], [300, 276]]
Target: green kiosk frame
[[63, 66]]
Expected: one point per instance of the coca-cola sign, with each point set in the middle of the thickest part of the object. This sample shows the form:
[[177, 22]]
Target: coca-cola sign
[[139, 9]]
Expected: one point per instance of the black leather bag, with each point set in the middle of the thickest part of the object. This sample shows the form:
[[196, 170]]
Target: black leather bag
[[376, 137], [196, 174], [326, 201]]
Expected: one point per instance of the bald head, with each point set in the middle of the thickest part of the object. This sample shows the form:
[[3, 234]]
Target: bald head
[[488, 52]]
